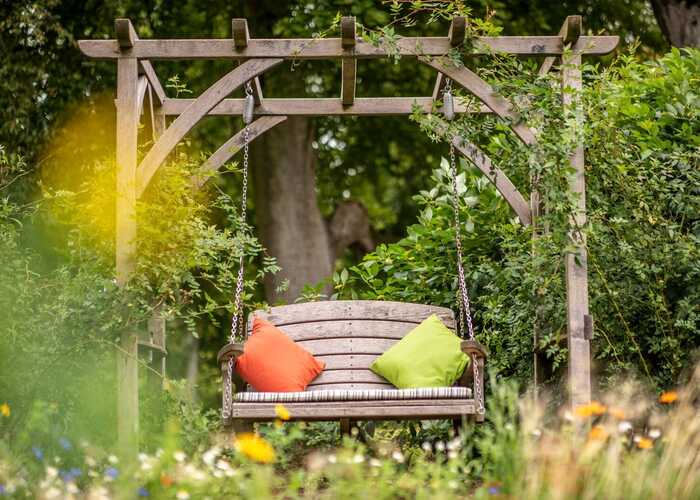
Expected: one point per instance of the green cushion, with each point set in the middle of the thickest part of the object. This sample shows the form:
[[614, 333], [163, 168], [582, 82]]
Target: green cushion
[[428, 356]]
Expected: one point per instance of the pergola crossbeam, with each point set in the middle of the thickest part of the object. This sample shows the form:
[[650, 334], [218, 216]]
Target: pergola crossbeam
[[331, 48], [348, 65], [325, 106]]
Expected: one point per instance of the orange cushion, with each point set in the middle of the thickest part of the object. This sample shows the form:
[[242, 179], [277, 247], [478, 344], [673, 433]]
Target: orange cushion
[[272, 362]]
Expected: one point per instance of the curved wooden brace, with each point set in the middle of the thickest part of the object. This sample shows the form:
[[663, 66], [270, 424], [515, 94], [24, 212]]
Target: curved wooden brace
[[232, 146], [474, 84], [195, 112], [497, 177]]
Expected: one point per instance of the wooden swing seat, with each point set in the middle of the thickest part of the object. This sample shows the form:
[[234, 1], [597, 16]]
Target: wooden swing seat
[[348, 336]]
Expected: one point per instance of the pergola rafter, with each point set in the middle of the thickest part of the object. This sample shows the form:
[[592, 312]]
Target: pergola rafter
[[137, 78]]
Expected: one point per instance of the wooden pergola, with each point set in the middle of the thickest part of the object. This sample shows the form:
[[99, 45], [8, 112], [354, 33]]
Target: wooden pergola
[[136, 79]]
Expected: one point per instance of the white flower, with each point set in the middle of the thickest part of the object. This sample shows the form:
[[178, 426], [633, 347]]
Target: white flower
[[358, 459], [452, 454], [218, 474], [398, 456], [72, 488], [332, 459], [112, 459], [51, 472], [426, 447], [179, 456], [624, 426], [222, 464], [654, 433], [143, 457], [452, 484], [182, 495], [439, 446], [210, 455], [375, 462], [90, 462], [536, 433], [455, 444]]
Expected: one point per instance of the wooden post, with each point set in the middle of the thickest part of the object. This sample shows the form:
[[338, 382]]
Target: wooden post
[[127, 134], [349, 65], [579, 372]]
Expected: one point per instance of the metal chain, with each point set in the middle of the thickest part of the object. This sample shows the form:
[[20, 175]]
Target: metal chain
[[464, 305], [237, 318]]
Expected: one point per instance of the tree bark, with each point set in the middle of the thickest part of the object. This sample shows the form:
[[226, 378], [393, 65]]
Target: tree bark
[[679, 21], [290, 223]]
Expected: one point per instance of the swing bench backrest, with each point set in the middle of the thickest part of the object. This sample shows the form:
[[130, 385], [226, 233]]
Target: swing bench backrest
[[349, 335]]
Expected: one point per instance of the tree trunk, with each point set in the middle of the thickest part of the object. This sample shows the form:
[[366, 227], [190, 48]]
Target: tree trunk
[[679, 21], [290, 223]]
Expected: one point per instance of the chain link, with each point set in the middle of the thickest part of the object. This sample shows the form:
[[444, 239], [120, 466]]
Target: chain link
[[237, 327], [465, 316]]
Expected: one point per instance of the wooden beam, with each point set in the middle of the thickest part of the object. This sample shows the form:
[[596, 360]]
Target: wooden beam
[[474, 84], [365, 106], [198, 109], [456, 36], [126, 34], [349, 65], [232, 146], [147, 69], [141, 89], [499, 179], [241, 35], [576, 265], [570, 33], [331, 48], [127, 136]]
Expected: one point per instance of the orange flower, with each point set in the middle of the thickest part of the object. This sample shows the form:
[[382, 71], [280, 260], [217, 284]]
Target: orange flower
[[597, 433], [5, 410], [282, 412], [617, 413], [166, 480], [668, 397], [255, 448], [644, 443], [589, 410]]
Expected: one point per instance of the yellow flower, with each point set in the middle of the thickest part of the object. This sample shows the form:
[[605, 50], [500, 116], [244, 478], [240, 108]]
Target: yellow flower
[[5, 410], [668, 397], [282, 412], [644, 443], [597, 433], [592, 408], [255, 448]]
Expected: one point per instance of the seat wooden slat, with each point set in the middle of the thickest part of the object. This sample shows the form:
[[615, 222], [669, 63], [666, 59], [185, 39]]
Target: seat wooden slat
[[335, 310], [340, 376], [350, 385], [347, 361], [365, 410], [348, 328], [360, 345]]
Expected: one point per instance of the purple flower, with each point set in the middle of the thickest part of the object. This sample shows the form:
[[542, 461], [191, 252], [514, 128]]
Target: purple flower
[[70, 474], [494, 490], [38, 452], [111, 472], [65, 444], [143, 492], [2, 489]]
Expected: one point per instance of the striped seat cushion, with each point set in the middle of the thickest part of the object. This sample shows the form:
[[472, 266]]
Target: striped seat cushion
[[354, 395]]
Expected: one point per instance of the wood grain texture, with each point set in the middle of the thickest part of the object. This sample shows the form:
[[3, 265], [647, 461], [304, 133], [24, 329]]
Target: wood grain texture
[[457, 32], [349, 65], [331, 48], [576, 265], [147, 69], [570, 33], [239, 30], [485, 93], [499, 179], [356, 345], [126, 34], [191, 116], [364, 410], [334, 310], [232, 146], [371, 106], [362, 328], [349, 376]]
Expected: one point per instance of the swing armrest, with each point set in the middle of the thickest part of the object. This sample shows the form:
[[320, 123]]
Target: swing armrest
[[472, 347], [231, 350]]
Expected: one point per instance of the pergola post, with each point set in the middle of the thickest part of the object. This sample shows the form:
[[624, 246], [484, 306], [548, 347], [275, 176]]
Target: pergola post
[[126, 161], [578, 320]]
